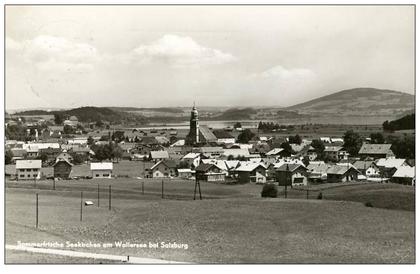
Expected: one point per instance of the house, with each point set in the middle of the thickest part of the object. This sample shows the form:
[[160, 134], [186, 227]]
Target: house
[[101, 170], [28, 169], [164, 169], [376, 151], [32, 152], [317, 171], [62, 168], [193, 159], [336, 153], [342, 173], [221, 164], [367, 168], [249, 172], [404, 175], [292, 174], [64, 155], [158, 155], [209, 173], [272, 166], [307, 151], [223, 137], [206, 135], [18, 154], [185, 173], [388, 166]]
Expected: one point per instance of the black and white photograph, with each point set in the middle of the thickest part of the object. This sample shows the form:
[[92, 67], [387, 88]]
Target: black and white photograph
[[183, 134]]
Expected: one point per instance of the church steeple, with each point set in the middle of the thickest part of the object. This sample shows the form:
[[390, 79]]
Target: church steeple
[[194, 134]]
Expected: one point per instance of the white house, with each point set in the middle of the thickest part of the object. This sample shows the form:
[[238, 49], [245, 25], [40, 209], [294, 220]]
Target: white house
[[193, 159], [28, 169], [101, 170], [164, 169], [252, 172]]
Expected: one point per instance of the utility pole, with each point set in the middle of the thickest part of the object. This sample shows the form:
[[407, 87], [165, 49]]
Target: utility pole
[[36, 211], [98, 195], [81, 206], [162, 188], [109, 197]]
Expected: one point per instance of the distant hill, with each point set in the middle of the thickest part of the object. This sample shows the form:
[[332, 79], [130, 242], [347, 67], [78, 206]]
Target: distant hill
[[33, 112], [359, 102], [236, 114], [159, 109], [406, 122], [93, 114]]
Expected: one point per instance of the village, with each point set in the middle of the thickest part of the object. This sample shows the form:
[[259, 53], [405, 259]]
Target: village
[[72, 150]]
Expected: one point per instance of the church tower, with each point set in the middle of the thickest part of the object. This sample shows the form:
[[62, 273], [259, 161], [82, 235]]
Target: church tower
[[194, 134]]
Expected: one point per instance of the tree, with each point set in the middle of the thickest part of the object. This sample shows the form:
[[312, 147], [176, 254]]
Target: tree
[[43, 157], [319, 147], [352, 142], [287, 148], [295, 139], [245, 136], [58, 118], [78, 158], [68, 129], [305, 160], [237, 125], [99, 123], [377, 138], [403, 147], [8, 156], [118, 136], [90, 141]]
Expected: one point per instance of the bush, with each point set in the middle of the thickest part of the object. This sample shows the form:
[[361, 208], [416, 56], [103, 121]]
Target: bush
[[319, 196], [269, 190], [368, 204]]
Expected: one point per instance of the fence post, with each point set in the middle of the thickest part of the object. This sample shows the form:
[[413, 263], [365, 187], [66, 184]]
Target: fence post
[[109, 197], [81, 205], [53, 183], [307, 194], [98, 195], [162, 188], [285, 191], [142, 187], [36, 211]]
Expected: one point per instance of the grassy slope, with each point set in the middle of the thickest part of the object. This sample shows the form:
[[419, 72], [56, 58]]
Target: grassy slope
[[222, 230]]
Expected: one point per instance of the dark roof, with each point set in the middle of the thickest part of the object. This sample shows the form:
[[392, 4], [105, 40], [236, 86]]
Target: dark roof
[[362, 164], [205, 167], [206, 133], [290, 167], [222, 134]]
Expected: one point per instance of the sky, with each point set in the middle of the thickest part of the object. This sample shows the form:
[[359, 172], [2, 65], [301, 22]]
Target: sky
[[170, 56]]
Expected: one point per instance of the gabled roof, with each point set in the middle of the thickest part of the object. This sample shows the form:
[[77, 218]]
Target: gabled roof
[[318, 167], [191, 155], [159, 154], [290, 167], [101, 166], [236, 152], [390, 162], [206, 133], [405, 172], [210, 149], [249, 166], [231, 164], [363, 164], [219, 163], [168, 163], [222, 134], [375, 149], [28, 164], [205, 167], [60, 160], [274, 151], [340, 169]]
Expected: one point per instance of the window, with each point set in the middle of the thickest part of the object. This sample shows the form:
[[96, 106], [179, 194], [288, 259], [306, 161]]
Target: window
[[96, 175], [29, 175], [35, 169], [22, 175], [106, 175], [34, 175], [28, 169]]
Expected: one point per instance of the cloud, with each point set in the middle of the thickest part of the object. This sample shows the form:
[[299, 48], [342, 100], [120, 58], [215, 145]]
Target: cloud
[[55, 53], [180, 51], [280, 73]]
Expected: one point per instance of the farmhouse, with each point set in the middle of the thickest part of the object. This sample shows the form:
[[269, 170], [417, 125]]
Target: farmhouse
[[251, 173], [342, 173], [404, 175], [164, 169], [185, 173], [336, 153], [62, 168], [28, 169], [101, 170], [388, 166], [209, 152], [376, 151], [367, 168], [317, 171], [223, 137], [209, 173], [292, 174], [276, 152], [235, 153], [193, 159]]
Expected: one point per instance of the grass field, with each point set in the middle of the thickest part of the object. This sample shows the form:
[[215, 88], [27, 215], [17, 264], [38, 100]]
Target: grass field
[[235, 226]]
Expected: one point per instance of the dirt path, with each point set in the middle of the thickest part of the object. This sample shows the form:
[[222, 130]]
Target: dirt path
[[70, 253]]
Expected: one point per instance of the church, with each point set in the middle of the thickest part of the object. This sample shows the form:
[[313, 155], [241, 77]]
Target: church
[[199, 135]]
